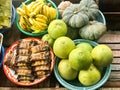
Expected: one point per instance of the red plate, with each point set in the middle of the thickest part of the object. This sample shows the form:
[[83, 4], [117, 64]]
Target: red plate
[[10, 73]]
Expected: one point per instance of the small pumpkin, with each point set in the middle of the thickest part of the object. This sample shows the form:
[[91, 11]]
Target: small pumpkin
[[92, 31], [62, 6], [91, 8], [74, 16]]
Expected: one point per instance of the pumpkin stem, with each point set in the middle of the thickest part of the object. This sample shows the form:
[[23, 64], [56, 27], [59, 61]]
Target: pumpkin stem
[[90, 23], [75, 11]]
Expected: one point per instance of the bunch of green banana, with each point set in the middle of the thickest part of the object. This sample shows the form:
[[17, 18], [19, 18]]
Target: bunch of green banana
[[36, 16]]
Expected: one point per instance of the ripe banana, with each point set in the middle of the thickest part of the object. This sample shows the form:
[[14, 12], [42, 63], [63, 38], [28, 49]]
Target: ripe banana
[[53, 13], [31, 21], [36, 5], [35, 29], [25, 8], [45, 11], [36, 16], [21, 12], [40, 25], [29, 6], [22, 23], [50, 12], [41, 20], [32, 14], [42, 17], [26, 18], [22, 20], [38, 9]]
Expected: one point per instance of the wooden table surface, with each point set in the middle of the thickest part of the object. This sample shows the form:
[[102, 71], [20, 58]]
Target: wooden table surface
[[111, 38]]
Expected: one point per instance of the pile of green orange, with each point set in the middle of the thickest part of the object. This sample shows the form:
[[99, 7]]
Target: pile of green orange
[[81, 61]]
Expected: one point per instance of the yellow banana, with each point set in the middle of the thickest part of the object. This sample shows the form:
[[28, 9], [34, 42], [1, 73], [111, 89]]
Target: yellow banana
[[37, 24], [26, 18], [41, 20], [49, 14], [32, 14], [35, 6], [41, 9], [45, 10], [22, 23], [53, 13], [34, 17], [22, 20], [25, 8], [42, 17], [44, 26], [48, 11], [20, 11], [38, 9], [29, 6], [22, 26], [35, 29], [40, 25], [31, 21]]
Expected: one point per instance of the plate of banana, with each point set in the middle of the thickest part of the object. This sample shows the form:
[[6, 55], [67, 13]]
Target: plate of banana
[[34, 16], [28, 62]]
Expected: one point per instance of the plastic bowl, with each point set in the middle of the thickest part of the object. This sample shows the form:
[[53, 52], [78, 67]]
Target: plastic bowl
[[75, 84], [2, 55], [12, 19], [101, 18], [35, 34]]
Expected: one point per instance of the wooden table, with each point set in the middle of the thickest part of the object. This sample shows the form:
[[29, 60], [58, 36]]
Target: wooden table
[[111, 38]]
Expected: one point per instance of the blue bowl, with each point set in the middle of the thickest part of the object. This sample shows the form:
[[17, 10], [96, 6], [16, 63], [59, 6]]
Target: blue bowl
[[2, 55], [75, 84], [12, 19], [101, 18]]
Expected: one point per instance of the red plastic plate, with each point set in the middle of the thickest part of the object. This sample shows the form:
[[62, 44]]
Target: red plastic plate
[[10, 73]]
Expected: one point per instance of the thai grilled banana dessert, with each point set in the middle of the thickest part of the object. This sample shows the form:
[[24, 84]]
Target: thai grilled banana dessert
[[5, 13], [30, 60]]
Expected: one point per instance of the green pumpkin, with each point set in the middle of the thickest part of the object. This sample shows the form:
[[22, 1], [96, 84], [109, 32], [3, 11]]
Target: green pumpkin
[[93, 31], [62, 6], [91, 8], [74, 16]]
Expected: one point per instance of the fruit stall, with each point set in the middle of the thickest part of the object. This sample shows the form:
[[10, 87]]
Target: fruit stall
[[14, 38]]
